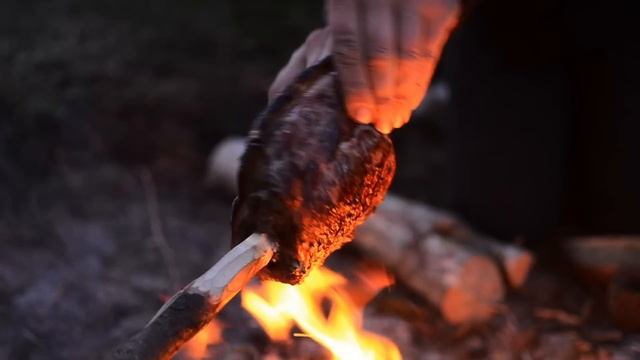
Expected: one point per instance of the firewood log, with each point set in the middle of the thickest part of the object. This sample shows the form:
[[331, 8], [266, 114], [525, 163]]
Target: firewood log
[[465, 285], [612, 263], [421, 219], [433, 252], [597, 259], [623, 299]]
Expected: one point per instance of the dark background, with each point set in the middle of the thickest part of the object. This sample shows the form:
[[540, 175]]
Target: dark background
[[109, 105], [97, 96]]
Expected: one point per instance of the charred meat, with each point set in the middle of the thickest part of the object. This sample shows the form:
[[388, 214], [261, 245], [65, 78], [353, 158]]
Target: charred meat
[[310, 175]]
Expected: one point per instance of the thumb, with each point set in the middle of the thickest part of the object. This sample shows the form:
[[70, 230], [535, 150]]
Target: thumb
[[297, 63], [315, 48]]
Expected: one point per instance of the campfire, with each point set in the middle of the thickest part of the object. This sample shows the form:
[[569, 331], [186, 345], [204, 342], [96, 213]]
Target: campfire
[[327, 308], [197, 347], [279, 307], [304, 185]]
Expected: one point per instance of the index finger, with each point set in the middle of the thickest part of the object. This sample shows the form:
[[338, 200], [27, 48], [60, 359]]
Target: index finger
[[416, 62], [344, 24]]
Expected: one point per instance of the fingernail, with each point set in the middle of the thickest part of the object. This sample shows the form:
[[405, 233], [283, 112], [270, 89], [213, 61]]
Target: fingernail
[[363, 115]]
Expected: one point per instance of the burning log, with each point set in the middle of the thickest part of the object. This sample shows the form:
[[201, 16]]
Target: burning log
[[327, 308], [193, 307], [430, 250]]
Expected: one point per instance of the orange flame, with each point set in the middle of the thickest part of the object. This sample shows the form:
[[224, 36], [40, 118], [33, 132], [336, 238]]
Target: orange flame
[[211, 334], [277, 307]]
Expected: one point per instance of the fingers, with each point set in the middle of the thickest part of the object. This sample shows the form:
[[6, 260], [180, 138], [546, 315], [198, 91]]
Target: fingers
[[318, 45], [315, 48], [439, 18], [347, 51], [404, 114], [365, 50], [416, 63], [425, 26], [385, 52], [382, 57]]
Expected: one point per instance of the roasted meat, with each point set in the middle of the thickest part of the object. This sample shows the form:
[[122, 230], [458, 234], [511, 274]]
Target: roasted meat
[[310, 175]]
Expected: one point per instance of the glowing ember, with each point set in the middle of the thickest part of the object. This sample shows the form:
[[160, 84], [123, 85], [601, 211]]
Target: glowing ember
[[277, 307], [196, 348]]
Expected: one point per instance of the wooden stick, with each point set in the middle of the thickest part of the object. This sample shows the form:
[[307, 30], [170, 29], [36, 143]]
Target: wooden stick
[[193, 307]]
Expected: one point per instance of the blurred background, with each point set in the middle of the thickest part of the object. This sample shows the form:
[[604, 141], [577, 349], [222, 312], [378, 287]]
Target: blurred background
[[110, 108], [107, 107]]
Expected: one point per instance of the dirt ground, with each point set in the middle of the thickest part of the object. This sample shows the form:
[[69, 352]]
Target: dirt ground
[[108, 110]]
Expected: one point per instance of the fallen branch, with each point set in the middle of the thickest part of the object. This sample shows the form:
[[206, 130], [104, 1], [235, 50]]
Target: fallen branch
[[155, 224], [188, 311]]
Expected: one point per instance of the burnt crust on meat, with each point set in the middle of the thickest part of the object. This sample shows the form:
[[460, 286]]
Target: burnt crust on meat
[[310, 175]]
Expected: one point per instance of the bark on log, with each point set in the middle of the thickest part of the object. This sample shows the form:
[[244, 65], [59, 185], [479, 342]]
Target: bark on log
[[430, 250], [193, 307], [613, 263]]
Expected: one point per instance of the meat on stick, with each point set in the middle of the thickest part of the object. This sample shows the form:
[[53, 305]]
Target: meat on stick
[[308, 178]]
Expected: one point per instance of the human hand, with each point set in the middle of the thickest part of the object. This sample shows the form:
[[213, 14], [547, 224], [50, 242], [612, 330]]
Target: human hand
[[385, 52]]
